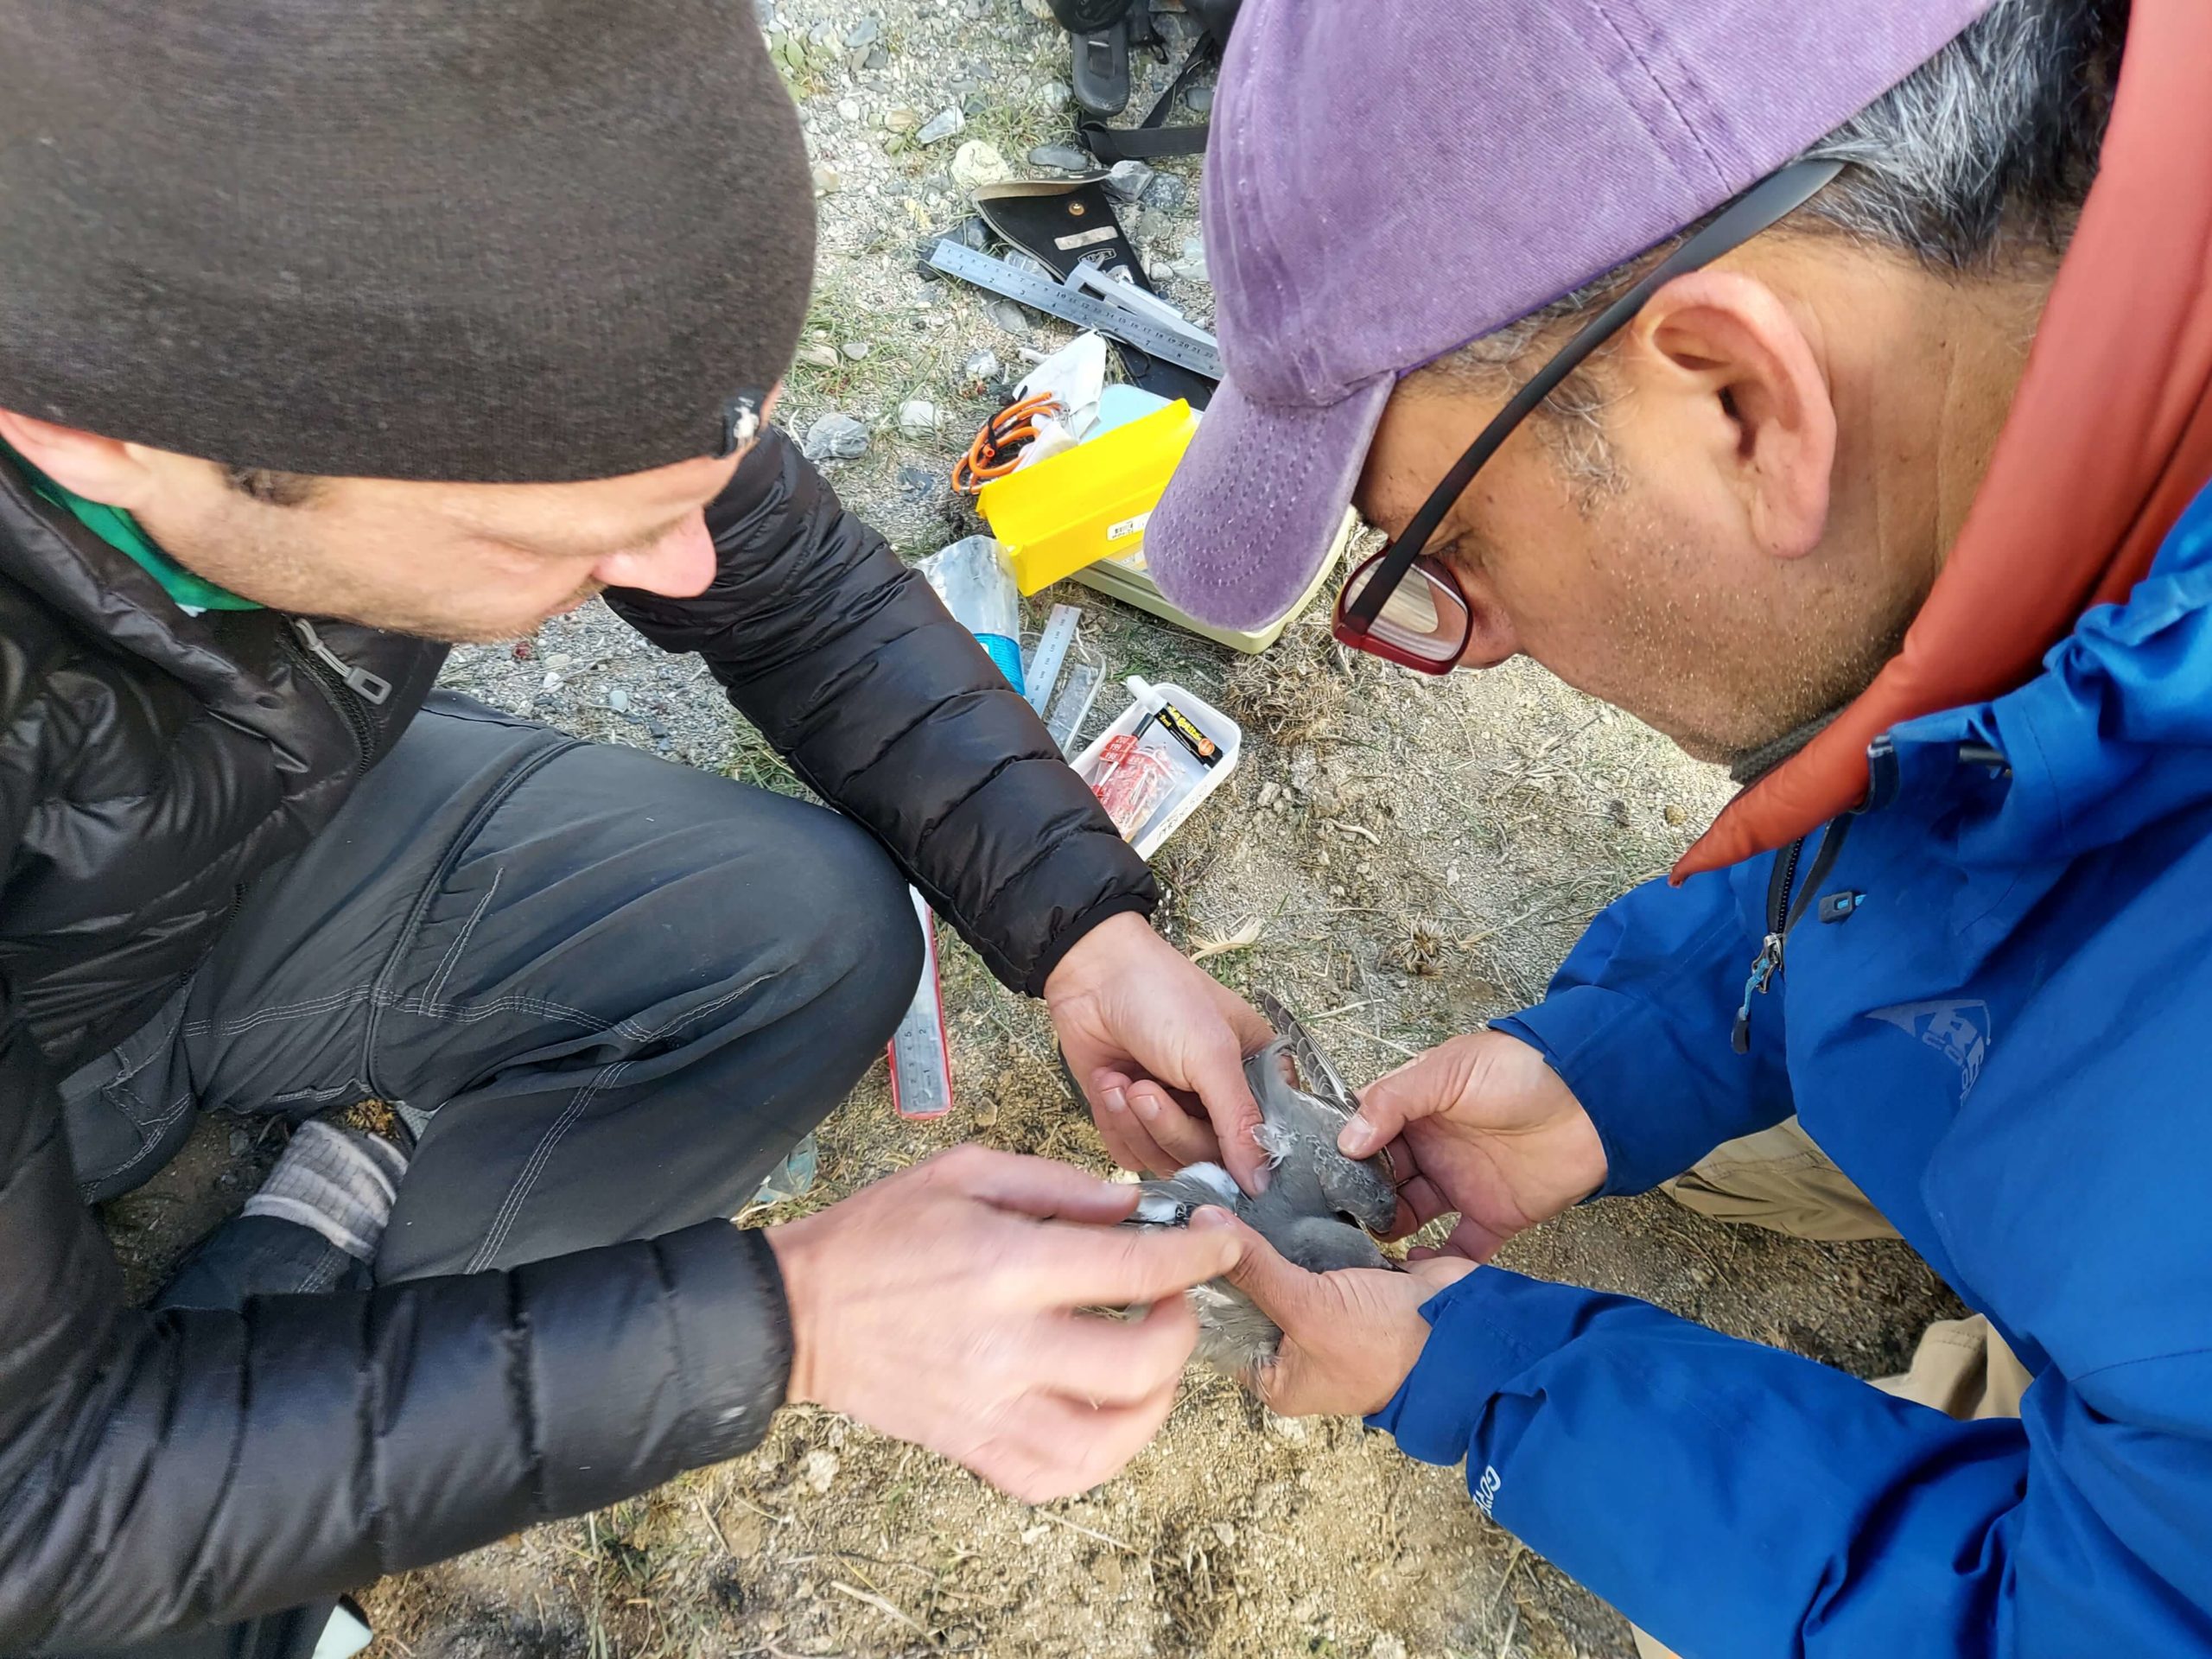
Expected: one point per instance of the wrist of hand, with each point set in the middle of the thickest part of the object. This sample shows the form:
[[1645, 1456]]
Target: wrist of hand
[[1095, 958], [793, 1245]]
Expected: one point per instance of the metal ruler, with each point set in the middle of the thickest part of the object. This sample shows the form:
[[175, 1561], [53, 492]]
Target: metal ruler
[[956, 259], [921, 1066], [1044, 669]]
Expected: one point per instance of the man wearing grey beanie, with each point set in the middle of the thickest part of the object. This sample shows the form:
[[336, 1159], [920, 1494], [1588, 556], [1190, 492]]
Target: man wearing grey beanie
[[328, 333]]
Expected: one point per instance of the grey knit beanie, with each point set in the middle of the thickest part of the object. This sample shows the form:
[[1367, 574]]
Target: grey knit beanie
[[494, 240]]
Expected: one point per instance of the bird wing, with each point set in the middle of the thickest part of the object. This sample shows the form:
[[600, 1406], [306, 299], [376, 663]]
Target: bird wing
[[1316, 1076]]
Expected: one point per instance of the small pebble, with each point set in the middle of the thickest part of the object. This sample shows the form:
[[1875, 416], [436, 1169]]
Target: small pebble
[[942, 126], [878, 57], [835, 437], [977, 163], [1007, 315], [984, 367], [867, 32], [1061, 158], [825, 182], [849, 109], [918, 417], [1387, 1646], [920, 482], [1673, 814], [818, 356], [1040, 9], [1200, 100], [819, 1469], [1167, 192], [524, 651], [1126, 181], [902, 119], [1055, 95], [856, 349], [618, 700], [1192, 265], [560, 659]]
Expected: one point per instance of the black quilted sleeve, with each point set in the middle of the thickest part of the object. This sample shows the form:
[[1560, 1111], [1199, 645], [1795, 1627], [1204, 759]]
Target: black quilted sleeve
[[889, 709]]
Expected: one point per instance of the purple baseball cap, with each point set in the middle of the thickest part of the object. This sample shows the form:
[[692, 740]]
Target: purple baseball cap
[[1390, 180]]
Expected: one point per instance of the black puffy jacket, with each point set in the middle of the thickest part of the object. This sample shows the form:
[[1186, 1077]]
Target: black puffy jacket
[[162, 1470]]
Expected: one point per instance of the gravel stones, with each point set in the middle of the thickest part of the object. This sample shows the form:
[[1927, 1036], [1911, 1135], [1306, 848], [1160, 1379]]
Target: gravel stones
[[1167, 192], [940, 126], [835, 437], [977, 163], [1127, 181]]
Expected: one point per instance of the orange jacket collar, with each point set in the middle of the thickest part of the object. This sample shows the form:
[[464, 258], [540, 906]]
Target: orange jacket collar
[[2109, 438]]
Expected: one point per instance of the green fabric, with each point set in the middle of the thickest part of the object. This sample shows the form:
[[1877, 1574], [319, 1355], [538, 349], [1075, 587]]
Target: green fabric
[[121, 531]]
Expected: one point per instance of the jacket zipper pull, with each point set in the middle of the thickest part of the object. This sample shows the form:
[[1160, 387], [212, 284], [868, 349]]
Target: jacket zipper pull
[[1764, 967], [371, 687]]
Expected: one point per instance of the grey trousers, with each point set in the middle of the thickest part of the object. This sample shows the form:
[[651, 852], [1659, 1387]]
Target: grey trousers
[[619, 990]]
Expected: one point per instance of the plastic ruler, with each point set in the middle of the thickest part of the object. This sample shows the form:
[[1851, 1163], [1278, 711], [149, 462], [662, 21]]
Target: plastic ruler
[[1044, 670], [1065, 722], [921, 1064], [956, 259]]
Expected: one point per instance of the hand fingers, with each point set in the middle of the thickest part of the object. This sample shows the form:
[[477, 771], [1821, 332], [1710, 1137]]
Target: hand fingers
[[1183, 1139], [1423, 1086], [1283, 1292], [1433, 1272], [1473, 1241], [1218, 1077], [1124, 1130], [1034, 1186], [1117, 1362], [1119, 1129], [1112, 1267], [1419, 1204], [1052, 1447]]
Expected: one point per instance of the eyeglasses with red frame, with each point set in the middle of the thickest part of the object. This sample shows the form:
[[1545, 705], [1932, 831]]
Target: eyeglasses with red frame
[[1404, 605]]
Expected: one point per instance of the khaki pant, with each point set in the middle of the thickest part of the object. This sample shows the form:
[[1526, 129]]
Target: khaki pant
[[1779, 1179]]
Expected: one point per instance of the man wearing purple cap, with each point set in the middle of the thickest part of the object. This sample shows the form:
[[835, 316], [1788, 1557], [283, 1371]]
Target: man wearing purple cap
[[1839, 378]]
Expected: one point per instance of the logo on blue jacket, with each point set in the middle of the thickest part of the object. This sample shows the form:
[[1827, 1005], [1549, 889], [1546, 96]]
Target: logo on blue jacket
[[1959, 1030]]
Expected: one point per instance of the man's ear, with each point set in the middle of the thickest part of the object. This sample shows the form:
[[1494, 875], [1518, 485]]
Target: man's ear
[[101, 469], [1751, 390]]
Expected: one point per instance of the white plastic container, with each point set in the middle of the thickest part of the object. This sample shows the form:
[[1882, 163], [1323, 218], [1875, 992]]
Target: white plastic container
[[1190, 744]]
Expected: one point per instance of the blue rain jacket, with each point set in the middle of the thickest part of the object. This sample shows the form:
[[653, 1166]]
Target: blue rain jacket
[[2006, 1038]]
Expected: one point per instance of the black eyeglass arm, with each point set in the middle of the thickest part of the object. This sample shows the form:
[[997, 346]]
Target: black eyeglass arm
[[1758, 209]]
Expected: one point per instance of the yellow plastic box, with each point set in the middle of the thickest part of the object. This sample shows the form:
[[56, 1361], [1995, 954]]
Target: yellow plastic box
[[1088, 503]]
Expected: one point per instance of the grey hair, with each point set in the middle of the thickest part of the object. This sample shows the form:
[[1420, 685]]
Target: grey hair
[[1975, 165]]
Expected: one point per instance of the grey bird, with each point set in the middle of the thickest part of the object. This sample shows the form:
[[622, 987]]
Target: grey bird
[[1319, 1209]]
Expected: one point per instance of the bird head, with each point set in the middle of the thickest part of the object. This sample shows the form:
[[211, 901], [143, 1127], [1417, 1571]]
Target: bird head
[[1303, 1105]]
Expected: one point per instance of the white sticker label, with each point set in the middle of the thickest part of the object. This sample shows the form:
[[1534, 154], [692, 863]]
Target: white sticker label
[[1126, 528], [1084, 238]]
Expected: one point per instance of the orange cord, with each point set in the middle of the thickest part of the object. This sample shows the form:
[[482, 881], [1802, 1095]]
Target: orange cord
[[997, 449]]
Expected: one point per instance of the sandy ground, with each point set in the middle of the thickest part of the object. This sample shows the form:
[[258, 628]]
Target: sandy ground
[[1404, 857]]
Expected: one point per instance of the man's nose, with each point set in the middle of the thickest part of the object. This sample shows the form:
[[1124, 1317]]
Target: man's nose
[[678, 566]]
